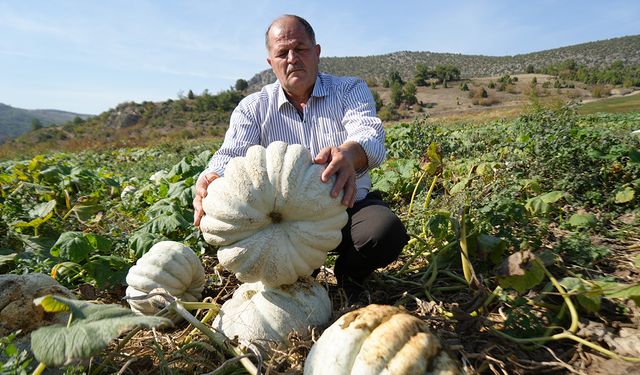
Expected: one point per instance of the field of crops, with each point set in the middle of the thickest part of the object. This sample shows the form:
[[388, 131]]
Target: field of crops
[[524, 253]]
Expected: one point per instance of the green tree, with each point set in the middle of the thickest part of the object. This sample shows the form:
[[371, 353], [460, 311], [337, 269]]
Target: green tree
[[190, 95], [447, 73], [377, 100], [394, 76], [36, 124], [530, 69], [241, 84], [423, 74], [409, 94], [396, 94]]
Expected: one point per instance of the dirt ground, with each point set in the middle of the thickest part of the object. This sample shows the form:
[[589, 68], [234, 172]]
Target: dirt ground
[[452, 101]]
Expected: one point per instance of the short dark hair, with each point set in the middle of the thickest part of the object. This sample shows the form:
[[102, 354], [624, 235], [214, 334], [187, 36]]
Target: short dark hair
[[307, 28]]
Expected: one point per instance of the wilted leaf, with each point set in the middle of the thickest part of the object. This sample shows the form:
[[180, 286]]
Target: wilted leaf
[[626, 195], [51, 304], [93, 328], [520, 272], [43, 209]]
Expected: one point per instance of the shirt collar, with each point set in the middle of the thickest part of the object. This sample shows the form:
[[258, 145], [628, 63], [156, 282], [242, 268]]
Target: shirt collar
[[319, 90]]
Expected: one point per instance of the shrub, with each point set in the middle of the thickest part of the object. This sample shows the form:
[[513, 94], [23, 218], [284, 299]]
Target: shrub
[[598, 91]]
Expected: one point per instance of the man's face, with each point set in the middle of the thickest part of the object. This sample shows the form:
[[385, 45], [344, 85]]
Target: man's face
[[293, 57]]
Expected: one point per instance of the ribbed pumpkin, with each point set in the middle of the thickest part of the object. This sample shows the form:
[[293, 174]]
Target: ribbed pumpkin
[[266, 315], [378, 339], [171, 266], [273, 215]]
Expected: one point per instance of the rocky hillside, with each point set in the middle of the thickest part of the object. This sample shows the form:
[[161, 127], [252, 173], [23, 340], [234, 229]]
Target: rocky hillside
[[597, 54], [17, 121]]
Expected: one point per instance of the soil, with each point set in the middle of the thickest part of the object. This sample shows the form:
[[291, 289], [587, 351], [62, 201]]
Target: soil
[[452, 101]]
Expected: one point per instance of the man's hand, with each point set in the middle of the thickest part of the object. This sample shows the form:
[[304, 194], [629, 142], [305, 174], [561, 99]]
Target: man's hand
[[343, 161], [201, 192]]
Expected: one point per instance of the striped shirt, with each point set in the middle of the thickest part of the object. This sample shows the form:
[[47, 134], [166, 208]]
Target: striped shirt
[[340, 109]]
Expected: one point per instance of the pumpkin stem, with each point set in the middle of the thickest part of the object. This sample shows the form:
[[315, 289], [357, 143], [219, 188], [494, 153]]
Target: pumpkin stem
[[276, 217]]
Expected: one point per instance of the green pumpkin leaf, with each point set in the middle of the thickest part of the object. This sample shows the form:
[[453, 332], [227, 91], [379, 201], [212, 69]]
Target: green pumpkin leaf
[[94, 326], [72, 246], [626, 195], [582, 220], [43, 209]]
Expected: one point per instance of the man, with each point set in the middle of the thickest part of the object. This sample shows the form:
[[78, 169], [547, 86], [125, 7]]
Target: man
[[334, 117]]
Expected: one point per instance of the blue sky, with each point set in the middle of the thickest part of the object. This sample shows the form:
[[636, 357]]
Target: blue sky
[[88, 56]]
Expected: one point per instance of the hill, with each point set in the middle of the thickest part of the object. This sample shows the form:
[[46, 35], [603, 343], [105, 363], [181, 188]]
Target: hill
[[17, 121], [598, 54], [205, 115]]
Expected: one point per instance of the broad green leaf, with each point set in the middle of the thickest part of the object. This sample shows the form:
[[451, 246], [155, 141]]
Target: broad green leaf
[[520, 272], [459, 186], [100, 243], [94, 326], [72, 246], [51, 305], [587, 294], [141, 242], [35, 223], [625, 291], [107, 270], [582, 220], [552, 196], [536, 206], [626, 195], [166, 224]]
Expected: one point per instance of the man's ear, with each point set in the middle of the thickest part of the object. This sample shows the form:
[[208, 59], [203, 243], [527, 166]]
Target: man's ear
[[269, 61], [318, 50]]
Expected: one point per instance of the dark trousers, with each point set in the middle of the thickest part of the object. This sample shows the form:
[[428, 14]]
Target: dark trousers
[[373, 237]]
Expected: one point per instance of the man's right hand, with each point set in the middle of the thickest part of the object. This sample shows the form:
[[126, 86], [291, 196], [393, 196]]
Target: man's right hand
[[201, 192]]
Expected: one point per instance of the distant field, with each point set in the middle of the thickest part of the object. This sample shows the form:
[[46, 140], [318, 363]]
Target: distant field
[[619, 104]]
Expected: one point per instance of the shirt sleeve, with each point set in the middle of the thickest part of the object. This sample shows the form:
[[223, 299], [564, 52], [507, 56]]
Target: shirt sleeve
[[243, 133], [362, 124]]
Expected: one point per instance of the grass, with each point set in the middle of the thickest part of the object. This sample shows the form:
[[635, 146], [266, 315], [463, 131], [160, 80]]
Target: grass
[[612, 105]]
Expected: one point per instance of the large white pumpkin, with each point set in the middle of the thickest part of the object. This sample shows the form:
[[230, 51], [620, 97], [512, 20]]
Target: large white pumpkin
[[265, 315], [168, 265], [378, 339], [273, 215]]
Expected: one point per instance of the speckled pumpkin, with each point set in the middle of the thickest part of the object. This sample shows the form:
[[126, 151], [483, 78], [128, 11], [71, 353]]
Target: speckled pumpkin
[[379, 339], [272, 215]]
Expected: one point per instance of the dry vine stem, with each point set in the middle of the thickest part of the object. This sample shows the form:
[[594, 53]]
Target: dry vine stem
[[565, 334]]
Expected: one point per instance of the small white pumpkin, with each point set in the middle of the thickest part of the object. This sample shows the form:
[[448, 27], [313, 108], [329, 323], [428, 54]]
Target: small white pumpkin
[[273, 214], [168, 265], [265, 315], [378, 339]]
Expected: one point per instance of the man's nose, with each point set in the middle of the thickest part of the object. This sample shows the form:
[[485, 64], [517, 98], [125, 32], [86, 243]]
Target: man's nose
[[292, 56]]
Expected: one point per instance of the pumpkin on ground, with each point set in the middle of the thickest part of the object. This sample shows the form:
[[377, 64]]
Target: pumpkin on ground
[[265, 315], [273, 215], [168, 265], [379, 339]]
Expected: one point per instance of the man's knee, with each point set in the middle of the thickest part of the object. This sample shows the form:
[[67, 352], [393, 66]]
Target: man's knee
[[381, 236]]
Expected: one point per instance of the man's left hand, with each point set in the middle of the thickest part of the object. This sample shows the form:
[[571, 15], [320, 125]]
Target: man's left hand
[[343, 161]]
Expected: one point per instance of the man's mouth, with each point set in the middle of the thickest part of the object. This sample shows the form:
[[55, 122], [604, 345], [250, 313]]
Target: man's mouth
[[295, 69]]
